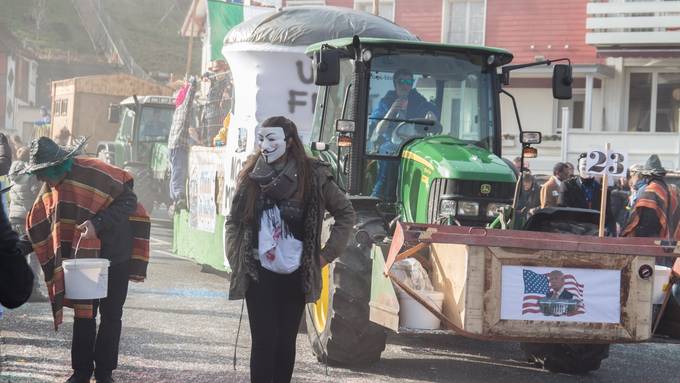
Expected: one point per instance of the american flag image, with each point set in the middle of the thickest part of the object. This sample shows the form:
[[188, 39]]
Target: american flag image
[[537, 287]]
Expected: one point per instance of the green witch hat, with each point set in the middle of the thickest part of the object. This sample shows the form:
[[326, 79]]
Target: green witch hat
[[46, 153]]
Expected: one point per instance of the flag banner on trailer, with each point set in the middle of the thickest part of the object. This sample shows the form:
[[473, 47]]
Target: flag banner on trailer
[[560, 294]]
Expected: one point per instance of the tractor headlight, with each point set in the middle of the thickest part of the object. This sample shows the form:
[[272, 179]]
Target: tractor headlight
[[447, 208], [468, 208], [494, 208]]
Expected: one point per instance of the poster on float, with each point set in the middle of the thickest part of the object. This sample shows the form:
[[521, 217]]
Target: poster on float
[[560, 294], [202, 189]]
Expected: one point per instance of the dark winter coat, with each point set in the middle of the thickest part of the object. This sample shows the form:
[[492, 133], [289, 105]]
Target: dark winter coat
[[16, 277], [573, 195], [240, 242]]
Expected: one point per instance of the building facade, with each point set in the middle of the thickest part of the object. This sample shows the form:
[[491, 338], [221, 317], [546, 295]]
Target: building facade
[[18, 80]]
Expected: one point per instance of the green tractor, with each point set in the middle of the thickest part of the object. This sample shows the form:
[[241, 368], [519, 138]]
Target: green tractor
[[413, 131], [141, 145]]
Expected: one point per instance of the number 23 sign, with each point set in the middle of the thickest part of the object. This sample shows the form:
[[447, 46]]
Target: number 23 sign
[[611, 163]]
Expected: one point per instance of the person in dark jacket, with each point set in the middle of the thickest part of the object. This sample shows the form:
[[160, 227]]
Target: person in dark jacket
[[584, 192], [89, 209], [273, 242], [16, 277], [402, 103]]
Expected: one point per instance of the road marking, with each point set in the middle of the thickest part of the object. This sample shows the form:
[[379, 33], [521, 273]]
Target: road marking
[[191, 293]]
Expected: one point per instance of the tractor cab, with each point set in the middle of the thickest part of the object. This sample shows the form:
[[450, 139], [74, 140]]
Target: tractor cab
[[141, 144], [144, 122], [416, 126]]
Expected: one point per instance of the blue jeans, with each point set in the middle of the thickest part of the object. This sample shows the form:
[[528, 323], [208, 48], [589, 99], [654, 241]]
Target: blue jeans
[[388, 172], [179, 169], [675, 290]]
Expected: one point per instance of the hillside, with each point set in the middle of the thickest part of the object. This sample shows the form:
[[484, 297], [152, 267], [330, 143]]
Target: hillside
[[149, 29], [61, 30]]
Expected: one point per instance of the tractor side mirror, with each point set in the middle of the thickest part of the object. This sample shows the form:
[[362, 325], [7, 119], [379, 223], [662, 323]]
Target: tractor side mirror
[[561, 82], [114, 113], [326, 64], [530, 138]]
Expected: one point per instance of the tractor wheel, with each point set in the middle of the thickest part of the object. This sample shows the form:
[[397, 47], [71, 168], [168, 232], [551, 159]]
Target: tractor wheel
[[143, 181], [566, 358], [338, 324]]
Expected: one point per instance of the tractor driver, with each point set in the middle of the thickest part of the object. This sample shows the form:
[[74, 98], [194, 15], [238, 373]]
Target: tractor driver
[[402, 103]]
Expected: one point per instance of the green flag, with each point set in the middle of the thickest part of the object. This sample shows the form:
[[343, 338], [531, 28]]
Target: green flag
[[221, 18]]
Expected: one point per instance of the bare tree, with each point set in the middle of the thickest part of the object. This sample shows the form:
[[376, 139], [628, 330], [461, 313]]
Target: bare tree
[[39, 12]]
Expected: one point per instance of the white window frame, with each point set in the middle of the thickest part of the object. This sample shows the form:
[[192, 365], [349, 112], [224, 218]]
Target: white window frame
[[655, 91], [446, 22], [557, 129], [393, 2]]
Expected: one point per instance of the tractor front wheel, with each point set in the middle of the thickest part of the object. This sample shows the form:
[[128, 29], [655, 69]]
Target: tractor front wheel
[[338, 324]]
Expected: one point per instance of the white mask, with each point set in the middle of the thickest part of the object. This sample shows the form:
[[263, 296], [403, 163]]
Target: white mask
[[582, 168], [272, 142]]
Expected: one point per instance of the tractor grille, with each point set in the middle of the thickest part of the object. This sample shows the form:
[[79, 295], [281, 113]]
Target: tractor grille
[[469, 191]]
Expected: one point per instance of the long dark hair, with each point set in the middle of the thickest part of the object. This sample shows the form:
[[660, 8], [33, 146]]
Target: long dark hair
[[295, 149]]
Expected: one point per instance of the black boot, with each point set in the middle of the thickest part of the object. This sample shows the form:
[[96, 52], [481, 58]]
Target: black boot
[[104, 378], [79, 377]]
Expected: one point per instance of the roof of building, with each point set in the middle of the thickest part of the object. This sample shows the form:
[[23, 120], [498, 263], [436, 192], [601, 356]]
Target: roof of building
[[119, 84]]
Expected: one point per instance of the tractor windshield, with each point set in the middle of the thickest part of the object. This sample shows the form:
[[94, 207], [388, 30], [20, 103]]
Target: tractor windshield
[[155, 124], [416, 95]]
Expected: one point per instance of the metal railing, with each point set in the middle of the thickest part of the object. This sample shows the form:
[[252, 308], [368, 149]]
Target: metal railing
[[633, 23]]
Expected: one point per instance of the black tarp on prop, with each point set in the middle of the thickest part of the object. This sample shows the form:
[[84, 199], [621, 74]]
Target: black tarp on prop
[[302, 26]]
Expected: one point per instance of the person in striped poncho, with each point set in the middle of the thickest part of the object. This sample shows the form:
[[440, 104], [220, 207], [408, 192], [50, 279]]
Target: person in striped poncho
[[85, 209]]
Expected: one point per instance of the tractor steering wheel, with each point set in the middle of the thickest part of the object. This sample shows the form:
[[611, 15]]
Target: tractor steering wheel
[[402, 133]]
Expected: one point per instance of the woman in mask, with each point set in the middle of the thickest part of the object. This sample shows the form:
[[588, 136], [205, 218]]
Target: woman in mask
[[273, 242]]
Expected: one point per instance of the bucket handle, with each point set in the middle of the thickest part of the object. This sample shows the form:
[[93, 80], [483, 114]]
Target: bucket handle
[[75, 252]]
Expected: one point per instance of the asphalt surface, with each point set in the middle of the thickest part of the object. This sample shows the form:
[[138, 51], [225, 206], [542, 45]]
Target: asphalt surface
[[180, 327]]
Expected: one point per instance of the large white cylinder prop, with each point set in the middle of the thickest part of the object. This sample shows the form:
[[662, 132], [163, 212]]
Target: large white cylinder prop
[[271, 80]]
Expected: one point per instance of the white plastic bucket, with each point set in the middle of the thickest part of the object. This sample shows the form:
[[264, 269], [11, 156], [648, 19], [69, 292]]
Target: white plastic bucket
[[86, 278], [414, 315], [661, 277]]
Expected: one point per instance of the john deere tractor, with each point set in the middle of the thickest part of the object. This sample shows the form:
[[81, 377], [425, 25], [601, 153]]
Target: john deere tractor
[[141, 144], [434, 158]]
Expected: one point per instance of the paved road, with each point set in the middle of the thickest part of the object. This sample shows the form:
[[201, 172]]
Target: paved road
[[179, 327]]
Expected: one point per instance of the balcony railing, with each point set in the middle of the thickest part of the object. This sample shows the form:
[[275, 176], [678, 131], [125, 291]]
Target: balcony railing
[[633, 24]]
